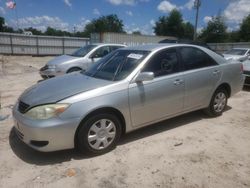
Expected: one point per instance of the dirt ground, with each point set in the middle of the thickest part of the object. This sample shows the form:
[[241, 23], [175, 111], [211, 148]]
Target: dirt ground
[[188, 151]]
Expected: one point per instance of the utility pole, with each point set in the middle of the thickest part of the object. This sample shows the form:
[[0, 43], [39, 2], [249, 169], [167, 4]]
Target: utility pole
[[197, 4]]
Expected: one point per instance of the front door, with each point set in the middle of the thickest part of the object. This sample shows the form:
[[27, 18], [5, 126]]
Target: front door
[[162, 97]]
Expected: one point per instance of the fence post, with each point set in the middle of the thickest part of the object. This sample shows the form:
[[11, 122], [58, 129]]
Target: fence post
[[37, 46], [63, 44], [11, 44]]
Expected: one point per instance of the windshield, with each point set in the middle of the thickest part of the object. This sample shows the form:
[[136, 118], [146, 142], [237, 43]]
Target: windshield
[[83, 51], [117, 65], [236, 52]]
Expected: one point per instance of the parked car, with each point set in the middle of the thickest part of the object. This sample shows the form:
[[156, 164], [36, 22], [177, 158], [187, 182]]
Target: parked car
[[240, 54], [79, 60], [183, 41], [246, 72], [126, 90]]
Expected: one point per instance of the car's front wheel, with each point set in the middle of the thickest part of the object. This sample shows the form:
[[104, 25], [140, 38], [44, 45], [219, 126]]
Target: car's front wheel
[[218, 103], [99, 134]]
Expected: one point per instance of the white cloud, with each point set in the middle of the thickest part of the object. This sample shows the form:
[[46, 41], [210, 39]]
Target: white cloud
[[145, 29], [206, 19], [127, 2], [130, 13], [236, 11], [189, 5], [41, 23], [199, 29], [120, 2], [166, 6], [68, 3], [82, 24], [152, 22], [96, 12]]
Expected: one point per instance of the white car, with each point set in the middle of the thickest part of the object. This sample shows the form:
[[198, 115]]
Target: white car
[[240, 54], [79, 60], [246, 72]]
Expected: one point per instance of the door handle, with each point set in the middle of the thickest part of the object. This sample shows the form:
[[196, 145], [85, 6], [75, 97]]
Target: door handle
[[178, 82], [216, 72]]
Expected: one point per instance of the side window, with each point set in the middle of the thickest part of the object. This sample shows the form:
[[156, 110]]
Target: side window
[[101, 52], [163, 63], [112, 48], [194, 58]]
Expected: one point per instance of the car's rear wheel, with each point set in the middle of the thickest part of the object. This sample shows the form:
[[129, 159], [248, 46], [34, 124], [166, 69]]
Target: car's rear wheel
[[74, 69], [218, 103], [99, 134]]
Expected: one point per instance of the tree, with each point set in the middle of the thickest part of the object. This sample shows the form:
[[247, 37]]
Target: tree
[[109, 23], [245, 29], [215, 31], [34, 31], [55, 32], [136, 32], [188, 31], [4, 28], [171, 25], [2, 24]]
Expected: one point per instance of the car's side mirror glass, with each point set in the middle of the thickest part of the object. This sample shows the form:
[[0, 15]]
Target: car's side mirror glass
[[144, 76]]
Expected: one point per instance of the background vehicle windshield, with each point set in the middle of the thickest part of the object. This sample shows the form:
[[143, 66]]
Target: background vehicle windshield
[[83, 51], [117, 65], [236, 52]]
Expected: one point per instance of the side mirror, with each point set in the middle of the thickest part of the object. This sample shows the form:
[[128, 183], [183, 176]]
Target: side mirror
[[144, 76]]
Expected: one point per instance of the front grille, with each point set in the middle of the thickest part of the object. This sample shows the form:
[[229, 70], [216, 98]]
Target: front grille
[[246, 72], [23, 107], [44, 68]]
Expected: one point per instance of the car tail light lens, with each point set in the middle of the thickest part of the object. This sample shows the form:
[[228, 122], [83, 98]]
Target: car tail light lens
[[241, 68]]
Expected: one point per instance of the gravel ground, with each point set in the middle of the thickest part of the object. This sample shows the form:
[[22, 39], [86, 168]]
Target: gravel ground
[[188, 151]]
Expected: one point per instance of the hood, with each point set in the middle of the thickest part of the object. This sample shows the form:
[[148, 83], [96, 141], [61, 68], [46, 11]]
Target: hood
[[234, 57], [62, 59], [246, 65], [61, 87]]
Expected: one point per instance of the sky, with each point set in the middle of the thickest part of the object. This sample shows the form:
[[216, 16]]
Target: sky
[[137, 15]]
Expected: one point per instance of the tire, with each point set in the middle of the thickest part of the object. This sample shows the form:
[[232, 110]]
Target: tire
[[74, 69], [218, 103], [99, 134]]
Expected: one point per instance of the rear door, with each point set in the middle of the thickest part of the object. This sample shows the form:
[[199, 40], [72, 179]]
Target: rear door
[[163, 96], [201, 74]]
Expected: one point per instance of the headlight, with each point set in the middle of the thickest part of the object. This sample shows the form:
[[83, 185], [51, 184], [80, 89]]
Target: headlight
[[46, 111], [52, 66]]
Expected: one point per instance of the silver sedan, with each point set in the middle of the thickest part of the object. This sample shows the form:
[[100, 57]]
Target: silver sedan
[[128, 89]]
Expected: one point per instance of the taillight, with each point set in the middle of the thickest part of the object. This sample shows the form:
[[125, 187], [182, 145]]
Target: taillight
[[241, 67]]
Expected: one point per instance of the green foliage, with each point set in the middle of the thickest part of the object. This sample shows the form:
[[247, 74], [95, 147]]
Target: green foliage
[[109, 23], [245, 29], [54, 32], [173, 25], [216, 31], [136, 32], [188, 30]]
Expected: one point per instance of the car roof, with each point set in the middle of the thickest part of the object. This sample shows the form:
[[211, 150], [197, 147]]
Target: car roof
[[153, 47], [241, 48], [107, 44]]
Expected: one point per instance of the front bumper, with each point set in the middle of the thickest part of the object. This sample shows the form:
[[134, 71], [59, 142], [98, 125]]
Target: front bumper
[[46, 135], [50, 73]]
